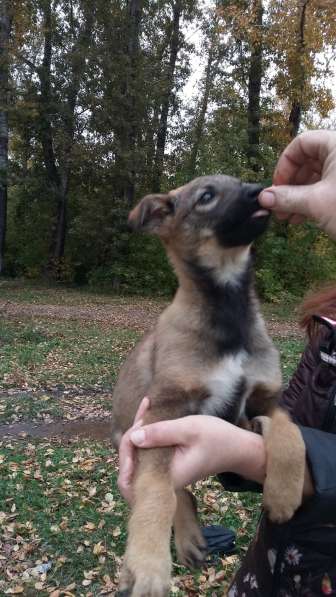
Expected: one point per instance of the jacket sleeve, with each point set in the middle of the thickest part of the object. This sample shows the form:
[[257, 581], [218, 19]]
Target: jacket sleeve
[[321, 458], [311, 400]]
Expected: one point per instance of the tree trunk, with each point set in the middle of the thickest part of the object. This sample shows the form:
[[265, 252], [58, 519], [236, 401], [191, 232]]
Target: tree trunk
[[254, 88], [79, 53], [167, 98], [127, 126], [133, 46], [59, 175], [5, 27], [151, 124], [200, 118], [46, 134], [296, 109]]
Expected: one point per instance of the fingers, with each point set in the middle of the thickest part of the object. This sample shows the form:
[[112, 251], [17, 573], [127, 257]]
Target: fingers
[[127, 463], [289, 199], [143, 407], [164, 433], [127, 453], [310, 147]]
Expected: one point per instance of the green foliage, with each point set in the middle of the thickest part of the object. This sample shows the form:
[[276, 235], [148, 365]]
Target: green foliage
[[290, 260], [145, 270], [86, 130]]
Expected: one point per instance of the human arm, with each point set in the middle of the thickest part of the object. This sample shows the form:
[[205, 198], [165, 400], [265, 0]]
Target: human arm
[[204, 446], [304, 181]]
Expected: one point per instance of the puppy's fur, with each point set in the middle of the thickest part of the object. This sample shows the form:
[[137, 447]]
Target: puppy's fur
[[209, 353]]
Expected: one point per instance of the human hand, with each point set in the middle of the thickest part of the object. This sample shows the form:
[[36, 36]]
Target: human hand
[[304, 181], [204, 446], [127, 453]]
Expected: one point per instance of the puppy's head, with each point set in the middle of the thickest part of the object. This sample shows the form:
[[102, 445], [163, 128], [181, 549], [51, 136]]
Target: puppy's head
[[218, 206], [219, 213]]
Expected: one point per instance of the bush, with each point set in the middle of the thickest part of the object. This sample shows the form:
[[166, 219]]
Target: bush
[[290, 260], [144, 270]]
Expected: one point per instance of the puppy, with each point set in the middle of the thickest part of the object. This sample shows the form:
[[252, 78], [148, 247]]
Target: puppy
[[209, 353]]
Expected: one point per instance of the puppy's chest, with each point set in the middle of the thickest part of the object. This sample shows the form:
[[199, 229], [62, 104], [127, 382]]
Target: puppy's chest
[[226, 385]]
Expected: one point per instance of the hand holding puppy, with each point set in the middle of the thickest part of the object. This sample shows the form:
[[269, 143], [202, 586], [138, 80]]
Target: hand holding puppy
[[204, 446]]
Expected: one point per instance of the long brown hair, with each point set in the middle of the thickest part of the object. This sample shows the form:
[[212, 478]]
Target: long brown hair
[[321, 302]]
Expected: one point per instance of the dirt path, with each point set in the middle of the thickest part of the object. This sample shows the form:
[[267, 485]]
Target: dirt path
[[285, 329], [96, 429], [139, 315]]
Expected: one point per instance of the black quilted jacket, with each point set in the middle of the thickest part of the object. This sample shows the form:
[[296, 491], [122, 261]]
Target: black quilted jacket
[[299, 558]]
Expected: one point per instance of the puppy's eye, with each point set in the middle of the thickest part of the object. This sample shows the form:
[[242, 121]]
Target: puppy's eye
[[207, 200], [206, 197]]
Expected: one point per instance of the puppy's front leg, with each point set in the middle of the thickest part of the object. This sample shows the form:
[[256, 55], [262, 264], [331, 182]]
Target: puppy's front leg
[[285, 469], [147, 565]]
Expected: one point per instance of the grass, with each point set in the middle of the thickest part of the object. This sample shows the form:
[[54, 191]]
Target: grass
[[60, 504], [20, 291], [284, 310], [27, 406], [290, 350], [61, 507], [45, 353]]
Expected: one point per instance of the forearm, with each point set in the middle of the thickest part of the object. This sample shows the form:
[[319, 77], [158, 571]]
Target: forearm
[[249, 456], [249, 461]]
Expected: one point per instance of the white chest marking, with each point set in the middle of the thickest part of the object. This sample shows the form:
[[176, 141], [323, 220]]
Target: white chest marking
[[222, 382], [233, 268]]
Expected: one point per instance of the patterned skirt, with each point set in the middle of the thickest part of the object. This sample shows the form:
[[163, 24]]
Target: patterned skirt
[[295, 559]]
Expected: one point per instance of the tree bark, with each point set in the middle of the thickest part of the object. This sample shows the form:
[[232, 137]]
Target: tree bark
[[167, 98], [296, 109], [5, 28], [58, 175], [79, 52], [200, 118], [254, 88], [128, 124], [56, 250], [135, 15]]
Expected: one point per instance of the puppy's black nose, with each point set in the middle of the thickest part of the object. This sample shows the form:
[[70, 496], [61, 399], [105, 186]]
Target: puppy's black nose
[[251, 191]]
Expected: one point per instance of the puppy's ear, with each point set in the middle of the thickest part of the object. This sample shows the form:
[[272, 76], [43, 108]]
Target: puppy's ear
[[151, 213]]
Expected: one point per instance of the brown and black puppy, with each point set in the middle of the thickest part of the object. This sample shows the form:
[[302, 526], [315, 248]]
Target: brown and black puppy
[[209, 353]]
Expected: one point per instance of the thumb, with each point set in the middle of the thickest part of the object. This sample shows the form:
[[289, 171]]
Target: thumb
[[288, 199], [164, 433]]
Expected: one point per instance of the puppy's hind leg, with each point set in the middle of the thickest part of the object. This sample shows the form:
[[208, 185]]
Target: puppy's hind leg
[[285, 468], [147, 564], [189, 541]]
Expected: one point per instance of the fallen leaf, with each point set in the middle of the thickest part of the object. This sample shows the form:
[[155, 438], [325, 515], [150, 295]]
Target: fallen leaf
[[86, 582], [15, 590]]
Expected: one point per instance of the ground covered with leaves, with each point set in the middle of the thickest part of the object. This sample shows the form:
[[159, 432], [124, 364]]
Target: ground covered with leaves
[[62, 520]]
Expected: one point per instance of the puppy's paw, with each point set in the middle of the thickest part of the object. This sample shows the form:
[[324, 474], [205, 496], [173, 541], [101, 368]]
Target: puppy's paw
[[142, 578], [261, 425], [126, 581], [191, 547], [151, 585], [281, 502]]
